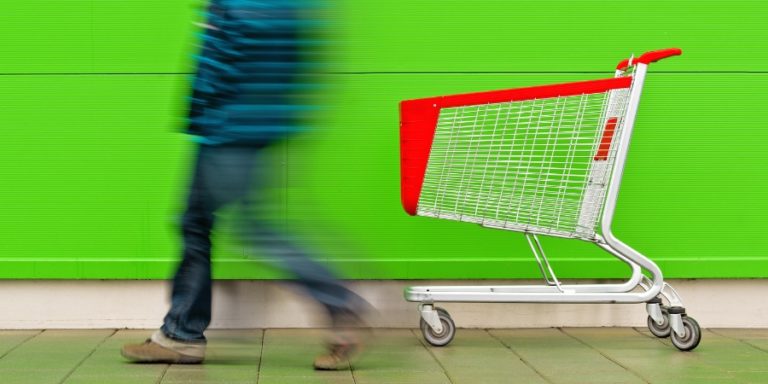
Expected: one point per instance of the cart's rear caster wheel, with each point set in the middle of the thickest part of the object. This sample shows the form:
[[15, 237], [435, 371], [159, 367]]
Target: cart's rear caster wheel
[[660, 330], [444, 337], [692, 335]]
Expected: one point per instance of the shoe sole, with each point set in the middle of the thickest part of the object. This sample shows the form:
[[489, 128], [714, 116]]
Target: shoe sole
[[156, 360]]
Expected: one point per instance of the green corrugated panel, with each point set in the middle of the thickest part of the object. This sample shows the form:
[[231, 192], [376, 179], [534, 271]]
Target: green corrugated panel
[[97, 36], [552, 35], [93, 169], [54, 36], [88, 167]]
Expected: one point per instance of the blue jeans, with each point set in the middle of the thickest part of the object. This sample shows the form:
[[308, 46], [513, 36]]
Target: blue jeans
[[226, 175]]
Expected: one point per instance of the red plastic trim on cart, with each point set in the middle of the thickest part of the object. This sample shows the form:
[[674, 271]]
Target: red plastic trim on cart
[[418, 121], [650, 57]]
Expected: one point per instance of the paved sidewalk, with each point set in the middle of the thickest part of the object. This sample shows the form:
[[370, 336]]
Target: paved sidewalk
[[277, 356]]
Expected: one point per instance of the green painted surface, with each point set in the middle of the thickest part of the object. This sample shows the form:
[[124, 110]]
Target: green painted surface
[[718, 359], [93, 169], [560, 356], [475, 352], [10, 340], [61, 351], [102, 366], [548, 351], [287, 357], [234, 357]]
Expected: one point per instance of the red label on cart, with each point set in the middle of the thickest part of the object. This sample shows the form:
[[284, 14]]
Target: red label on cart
[[605, 142]]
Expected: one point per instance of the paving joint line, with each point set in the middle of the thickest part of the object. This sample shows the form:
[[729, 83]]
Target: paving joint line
[[429, 350], [519, 356], [352, 372], [611, 359], [761, 349], [162, 375], [637, 329], [261, 355], [21, 343], [652, 337], [80, 363]]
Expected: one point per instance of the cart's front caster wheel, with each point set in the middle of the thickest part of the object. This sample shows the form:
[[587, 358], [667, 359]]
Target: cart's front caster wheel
[[660, 330], [444, 337], [692, 335]]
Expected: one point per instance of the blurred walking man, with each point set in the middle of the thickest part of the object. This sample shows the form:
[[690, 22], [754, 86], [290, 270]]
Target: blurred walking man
[[252, 87]]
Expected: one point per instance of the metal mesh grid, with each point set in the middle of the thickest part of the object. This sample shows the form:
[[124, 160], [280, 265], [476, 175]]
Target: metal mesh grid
[[525, 165]]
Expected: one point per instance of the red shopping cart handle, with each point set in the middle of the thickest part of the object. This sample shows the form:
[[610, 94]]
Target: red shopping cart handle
[[651, 57]]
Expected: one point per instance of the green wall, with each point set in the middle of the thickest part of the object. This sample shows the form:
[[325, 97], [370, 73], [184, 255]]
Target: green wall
[[92, 167]]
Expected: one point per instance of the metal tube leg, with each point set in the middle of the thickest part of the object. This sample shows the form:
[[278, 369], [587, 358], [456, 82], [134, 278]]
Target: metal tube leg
[[637, 273]]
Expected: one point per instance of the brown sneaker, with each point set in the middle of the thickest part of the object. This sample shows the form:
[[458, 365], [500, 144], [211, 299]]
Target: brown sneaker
[[159, 349], [338, 356]]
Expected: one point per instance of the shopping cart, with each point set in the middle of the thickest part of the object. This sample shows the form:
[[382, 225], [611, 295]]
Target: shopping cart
[[545, 160]]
